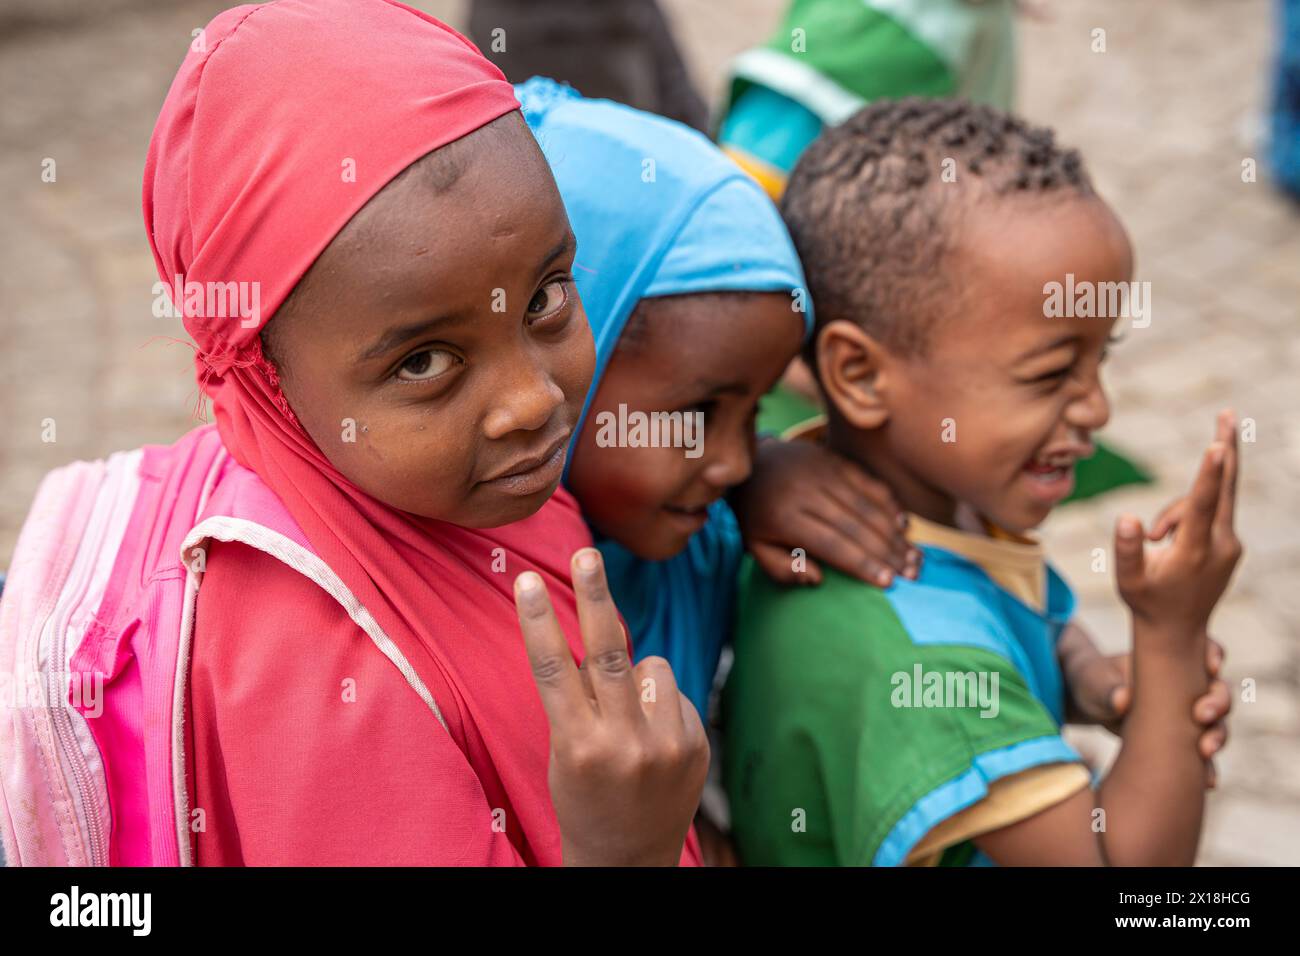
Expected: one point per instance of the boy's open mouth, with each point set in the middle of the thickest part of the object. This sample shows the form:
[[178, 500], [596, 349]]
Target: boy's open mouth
[[1051, 475]]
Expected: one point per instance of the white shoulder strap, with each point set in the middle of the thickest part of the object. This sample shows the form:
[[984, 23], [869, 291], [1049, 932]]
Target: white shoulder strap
[[311, 566]]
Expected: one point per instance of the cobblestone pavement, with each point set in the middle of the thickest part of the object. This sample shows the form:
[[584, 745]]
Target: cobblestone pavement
[[1165, 117]]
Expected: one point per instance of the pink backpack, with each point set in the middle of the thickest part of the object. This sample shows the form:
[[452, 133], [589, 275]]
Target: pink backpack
[[95, 627]]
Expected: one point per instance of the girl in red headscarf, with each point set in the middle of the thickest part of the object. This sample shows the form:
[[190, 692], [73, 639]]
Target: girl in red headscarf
[[308, 625]]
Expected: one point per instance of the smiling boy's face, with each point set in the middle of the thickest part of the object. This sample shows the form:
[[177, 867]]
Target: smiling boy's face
[[999, 407], [437, 351], [713, 354]]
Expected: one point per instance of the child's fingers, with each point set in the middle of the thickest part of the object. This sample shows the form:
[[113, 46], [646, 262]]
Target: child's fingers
[[670, 713], [855, 554], [876, 493], [1212, 706], [607, 665], [1121, 698], [1130, 560], [1225, 515], [1100, 690], [855, 514], [658, 693], [778, 564], [555, 673], [1214, 655], [1203, 502], [1225, 426], [1167, 520], [1213, 740]]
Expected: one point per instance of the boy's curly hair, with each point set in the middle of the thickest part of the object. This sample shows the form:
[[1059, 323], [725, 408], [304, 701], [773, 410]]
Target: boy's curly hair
[[872, 204]]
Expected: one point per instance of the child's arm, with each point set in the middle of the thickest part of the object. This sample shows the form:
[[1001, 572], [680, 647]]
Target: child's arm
[[1153, 798], [1099, 690], [802, 495]]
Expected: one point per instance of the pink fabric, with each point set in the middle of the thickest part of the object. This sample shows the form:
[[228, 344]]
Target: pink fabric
[[383, 784], [375, 791], [242, 184], [244, 179], [133, 643], [41, 822]]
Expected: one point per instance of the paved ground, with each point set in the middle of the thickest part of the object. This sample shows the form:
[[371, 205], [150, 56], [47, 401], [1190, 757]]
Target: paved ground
[[1165, 117]]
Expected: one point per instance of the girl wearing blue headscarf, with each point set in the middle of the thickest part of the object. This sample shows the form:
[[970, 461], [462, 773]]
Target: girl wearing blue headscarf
[[696, 302]]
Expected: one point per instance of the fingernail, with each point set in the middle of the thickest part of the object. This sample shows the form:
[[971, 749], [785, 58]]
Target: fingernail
[[586, 559], [527, 582], [884, 579], [1128, 527]]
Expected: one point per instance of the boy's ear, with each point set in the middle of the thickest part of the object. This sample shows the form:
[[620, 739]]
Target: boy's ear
[[853, 370]]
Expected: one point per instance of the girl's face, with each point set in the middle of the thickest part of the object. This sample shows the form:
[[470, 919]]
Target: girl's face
[[714, 355], [436, 351]]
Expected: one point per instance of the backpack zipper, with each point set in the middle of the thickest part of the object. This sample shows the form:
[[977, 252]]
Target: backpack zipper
[[83, 571]]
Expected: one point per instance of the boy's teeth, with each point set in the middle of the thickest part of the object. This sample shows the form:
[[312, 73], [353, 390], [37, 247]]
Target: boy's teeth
[[1047, 470]]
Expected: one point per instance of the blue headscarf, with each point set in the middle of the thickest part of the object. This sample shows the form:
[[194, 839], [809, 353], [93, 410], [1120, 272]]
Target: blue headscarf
[[658, 210]]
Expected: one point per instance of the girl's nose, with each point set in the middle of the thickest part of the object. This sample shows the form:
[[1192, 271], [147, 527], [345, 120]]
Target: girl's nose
[[525, 402], [731, 465]]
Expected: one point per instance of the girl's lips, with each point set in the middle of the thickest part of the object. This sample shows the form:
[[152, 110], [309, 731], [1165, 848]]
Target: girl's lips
[[534, 479], [689, 520]]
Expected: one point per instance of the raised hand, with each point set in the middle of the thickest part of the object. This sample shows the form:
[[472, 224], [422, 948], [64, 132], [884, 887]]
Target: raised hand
[[628, 751], [1177, 587]]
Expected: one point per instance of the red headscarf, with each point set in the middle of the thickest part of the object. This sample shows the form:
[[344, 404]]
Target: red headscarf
[[245, 182]]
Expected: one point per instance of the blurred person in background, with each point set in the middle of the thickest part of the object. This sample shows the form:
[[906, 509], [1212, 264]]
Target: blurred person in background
[[620, 50], [828, 58]]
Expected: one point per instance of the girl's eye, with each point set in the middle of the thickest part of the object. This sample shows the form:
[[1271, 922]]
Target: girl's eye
[[426, 365], [549, 299], [704, 409]]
